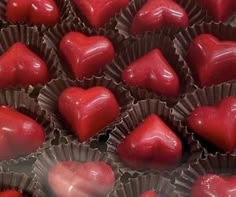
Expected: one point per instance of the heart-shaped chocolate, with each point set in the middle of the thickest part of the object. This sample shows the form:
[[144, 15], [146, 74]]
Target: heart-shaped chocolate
[[88, 111], [20, 135], [156, 14], [212, 61], [36, 12], [216, 124], [90, 179], [214, 185], [85, 55], [152, 71], [151, 145], [10, 193], [149, 194], [99, 12], [20, 66]]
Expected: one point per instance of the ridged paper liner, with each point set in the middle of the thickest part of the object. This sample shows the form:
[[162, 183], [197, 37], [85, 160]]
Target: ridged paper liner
[[125, 18], [68, 152], [221, 164], [135, 116], [139, 48]]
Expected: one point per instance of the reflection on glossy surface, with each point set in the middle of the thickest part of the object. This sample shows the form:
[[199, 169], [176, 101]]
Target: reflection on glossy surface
[[213, 61], [152, 71], [98, 12], [32, 11], [217, 124], [88, 111], [149, 194], [151, 145], [211, 185], [20, 66], [156, 14], [86, 56], [19, 134], [90, 179]]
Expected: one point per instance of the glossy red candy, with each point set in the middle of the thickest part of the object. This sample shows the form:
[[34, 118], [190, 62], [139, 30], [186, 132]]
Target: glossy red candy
[[19, 134], [86, 56], [20, 66], [209, 58], [88, 111], [156, 14], [90, 179], [152, 71], [32, 11], [10, 193], [98, 12], [151, 145], [149, 194], [217, 124], [220, 10], [214, 185]]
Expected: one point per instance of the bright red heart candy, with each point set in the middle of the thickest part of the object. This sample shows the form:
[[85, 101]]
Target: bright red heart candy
[[149, 194], [88, 111], [217, 124], [151, 145], [85, 55], [36, 12], [90, 179], [156, 14], [99, 12], [214, 185], [152, 71], [209, 58], [220, 10], [10, 193], [19, 134], [20, 66]]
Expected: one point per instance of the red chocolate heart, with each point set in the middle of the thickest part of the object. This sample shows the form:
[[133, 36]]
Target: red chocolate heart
[[217, 124], [10, 193], [86, 56], [214, 185], [209, 58], [153, 72], [88, 111], [20, 135], [149, 194], [156, 14], [20, 66], [91, 179], [32, 11], [220, 10], [151, 145], [99, 12]]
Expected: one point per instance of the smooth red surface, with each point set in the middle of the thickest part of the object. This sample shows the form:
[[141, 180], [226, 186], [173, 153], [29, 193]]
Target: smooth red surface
[[19, 134], [156, 14], [152, 71], [211, 185], [220, 10], [85, 55], [88, 111], [20, 66], [151, 145], [32, 11], [217, 124], [212, 60], [90, 179], [98, 12], [10, 193], [149, 194]]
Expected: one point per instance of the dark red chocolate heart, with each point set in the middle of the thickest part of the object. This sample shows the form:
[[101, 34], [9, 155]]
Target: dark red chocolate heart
[[217, 124], [88, 111], [149, 194], [214, 185], [20, 135], [10, 193], [20, 66], [85, 55], [151, 145], [213, 61], [98, 12], [152, 71], [36, 12], [156, 14], [91, 179]]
